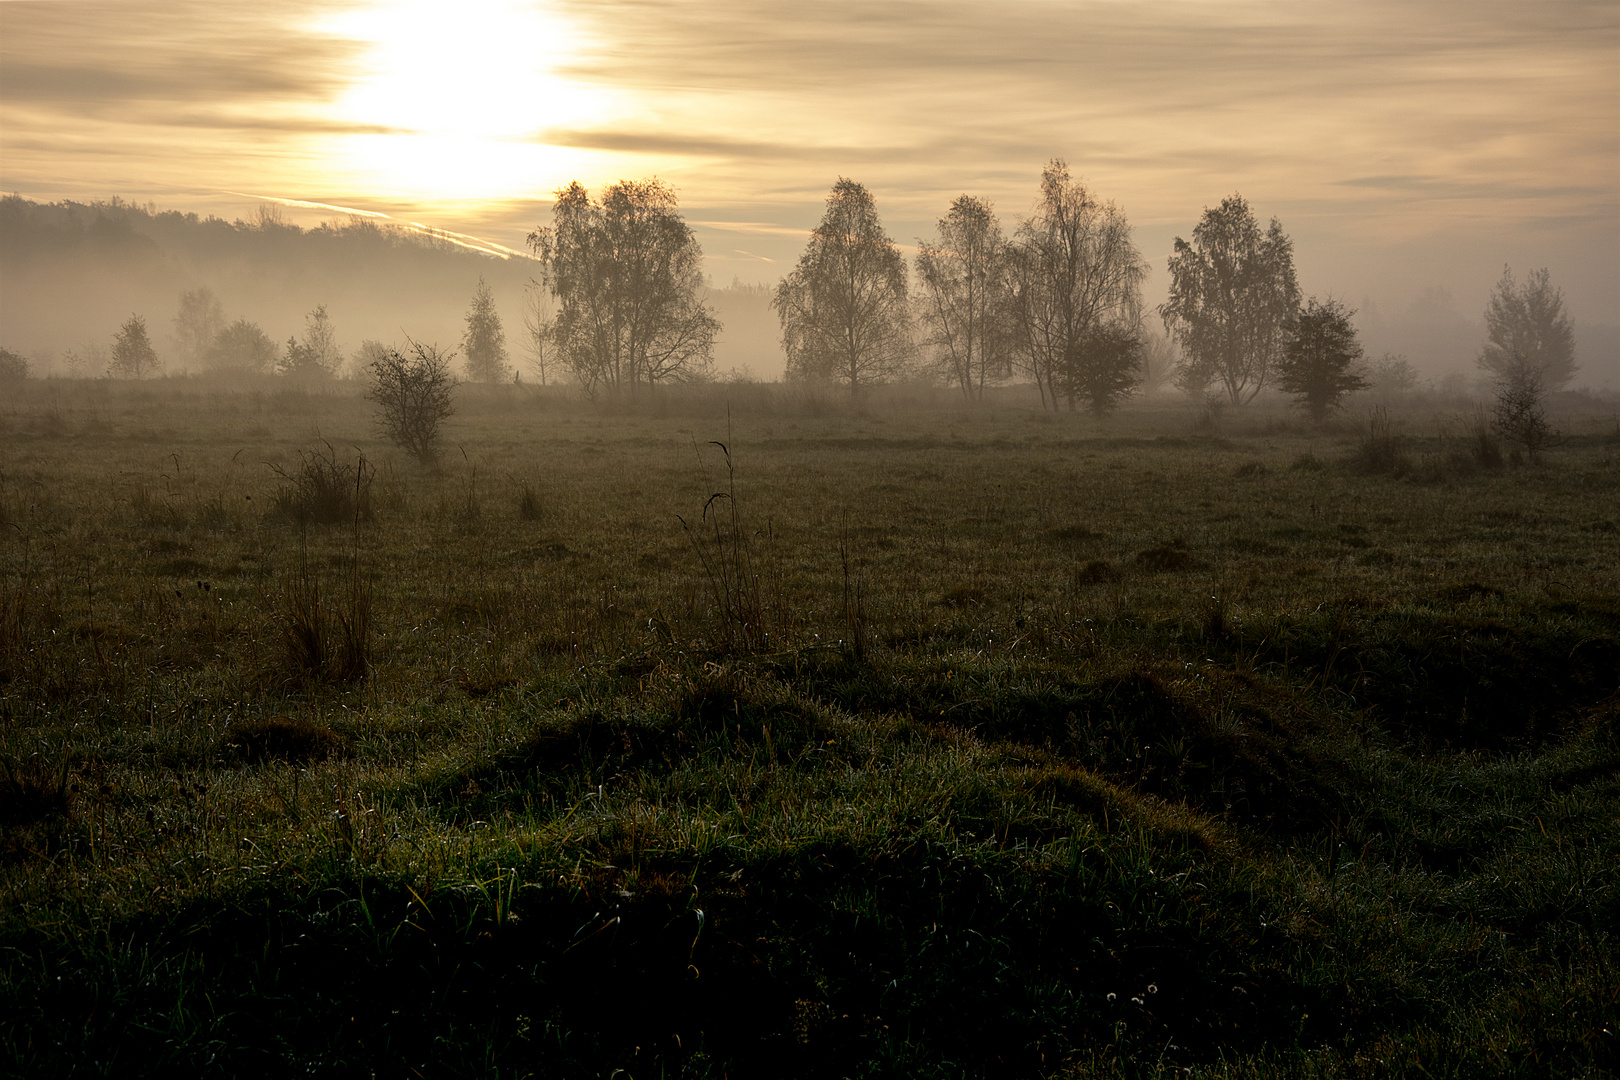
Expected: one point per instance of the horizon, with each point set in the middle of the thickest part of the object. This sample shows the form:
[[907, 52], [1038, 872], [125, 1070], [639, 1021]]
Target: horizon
[[1403, 150]]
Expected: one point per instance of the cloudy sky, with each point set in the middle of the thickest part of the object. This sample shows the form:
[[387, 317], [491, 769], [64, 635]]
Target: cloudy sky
[[1403, 144]]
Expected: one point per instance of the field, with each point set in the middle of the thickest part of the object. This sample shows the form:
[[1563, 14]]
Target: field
[[943, 742]]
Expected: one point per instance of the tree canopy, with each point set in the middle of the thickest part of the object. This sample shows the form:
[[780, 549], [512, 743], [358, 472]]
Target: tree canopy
[[844, 309], [1321, 363], [242, 346], [1232, 300], [963, 281], [627, 276], [1077, 299], [1528, 321]]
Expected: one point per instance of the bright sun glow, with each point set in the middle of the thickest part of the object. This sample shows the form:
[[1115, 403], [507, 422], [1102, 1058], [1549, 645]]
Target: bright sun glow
[[467, 90]]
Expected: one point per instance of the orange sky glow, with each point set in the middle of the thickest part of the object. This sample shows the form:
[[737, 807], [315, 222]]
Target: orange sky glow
[[1402, 144]]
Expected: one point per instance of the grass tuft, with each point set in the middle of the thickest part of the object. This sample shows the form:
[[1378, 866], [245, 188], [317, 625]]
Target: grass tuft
[[289, 739]]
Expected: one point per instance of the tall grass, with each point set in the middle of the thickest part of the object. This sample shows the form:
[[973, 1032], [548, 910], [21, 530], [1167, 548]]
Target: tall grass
[[1322, 784], [729, 556]]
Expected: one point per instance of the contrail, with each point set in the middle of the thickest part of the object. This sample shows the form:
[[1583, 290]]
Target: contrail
[[308, 205]]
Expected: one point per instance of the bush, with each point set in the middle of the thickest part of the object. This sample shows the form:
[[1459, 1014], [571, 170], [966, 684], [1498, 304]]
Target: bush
[[414, 395], [1381, 451], [13, 368], [1517, 415]]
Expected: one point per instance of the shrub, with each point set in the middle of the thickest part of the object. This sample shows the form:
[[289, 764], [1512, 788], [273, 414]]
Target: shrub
[[1381, 451], [13, 367], [1518, 415], [414, 396]]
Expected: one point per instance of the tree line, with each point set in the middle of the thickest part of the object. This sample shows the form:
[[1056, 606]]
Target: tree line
[[206, 340], [619, 304]]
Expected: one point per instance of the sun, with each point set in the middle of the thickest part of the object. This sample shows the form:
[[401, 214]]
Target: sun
[[454, 98]]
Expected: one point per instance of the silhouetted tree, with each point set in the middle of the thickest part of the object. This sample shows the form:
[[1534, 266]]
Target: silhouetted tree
[[844, 311], [627, 275], [1232, 300], [963, 297], [485, 339], [1320, 364], [132, 354], [317, 356], [243, 347], [1077, 296], [197, 324], [1528, 325], [413, 394]]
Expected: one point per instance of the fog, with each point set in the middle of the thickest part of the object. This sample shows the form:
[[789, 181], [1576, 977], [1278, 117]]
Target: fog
[[72, 273]]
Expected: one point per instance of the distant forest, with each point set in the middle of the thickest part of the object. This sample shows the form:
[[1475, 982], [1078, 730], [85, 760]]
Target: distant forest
[[71, 273]]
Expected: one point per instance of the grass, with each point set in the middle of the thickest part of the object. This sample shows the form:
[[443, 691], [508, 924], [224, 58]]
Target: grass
[[1076, 747]]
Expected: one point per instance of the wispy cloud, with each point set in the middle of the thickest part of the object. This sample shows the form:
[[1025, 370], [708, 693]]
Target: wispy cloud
[[1482, 124]]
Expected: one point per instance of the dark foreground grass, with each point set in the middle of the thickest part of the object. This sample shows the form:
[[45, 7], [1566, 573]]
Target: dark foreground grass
[[1021, 747]]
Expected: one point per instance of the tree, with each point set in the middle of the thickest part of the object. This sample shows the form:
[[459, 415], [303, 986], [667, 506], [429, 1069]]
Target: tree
[[1517, 415], [964, 291], [414, 396], [132, 354], [197, 324], [1232, 300], [844, 310], [1321, 363], [485, 339], [539, 313], [242, 346], [1527, 324], [1077, 296], [627, 276], [1392, 375], [317, 356]]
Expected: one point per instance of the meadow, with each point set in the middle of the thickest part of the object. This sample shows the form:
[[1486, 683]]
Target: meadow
[[740, 732]]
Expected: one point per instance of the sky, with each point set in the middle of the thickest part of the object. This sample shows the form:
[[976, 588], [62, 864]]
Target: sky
[[1406, 145]]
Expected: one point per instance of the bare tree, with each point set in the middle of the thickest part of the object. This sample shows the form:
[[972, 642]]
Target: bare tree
[[964, 296], [1232, 300], [1160, 359], [1392, 375], [414, 395], [132, 354], [1077, 295], [198, 322], [485, 339], [844, 309], [539, 314], [1528, 325], [627, 276]]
